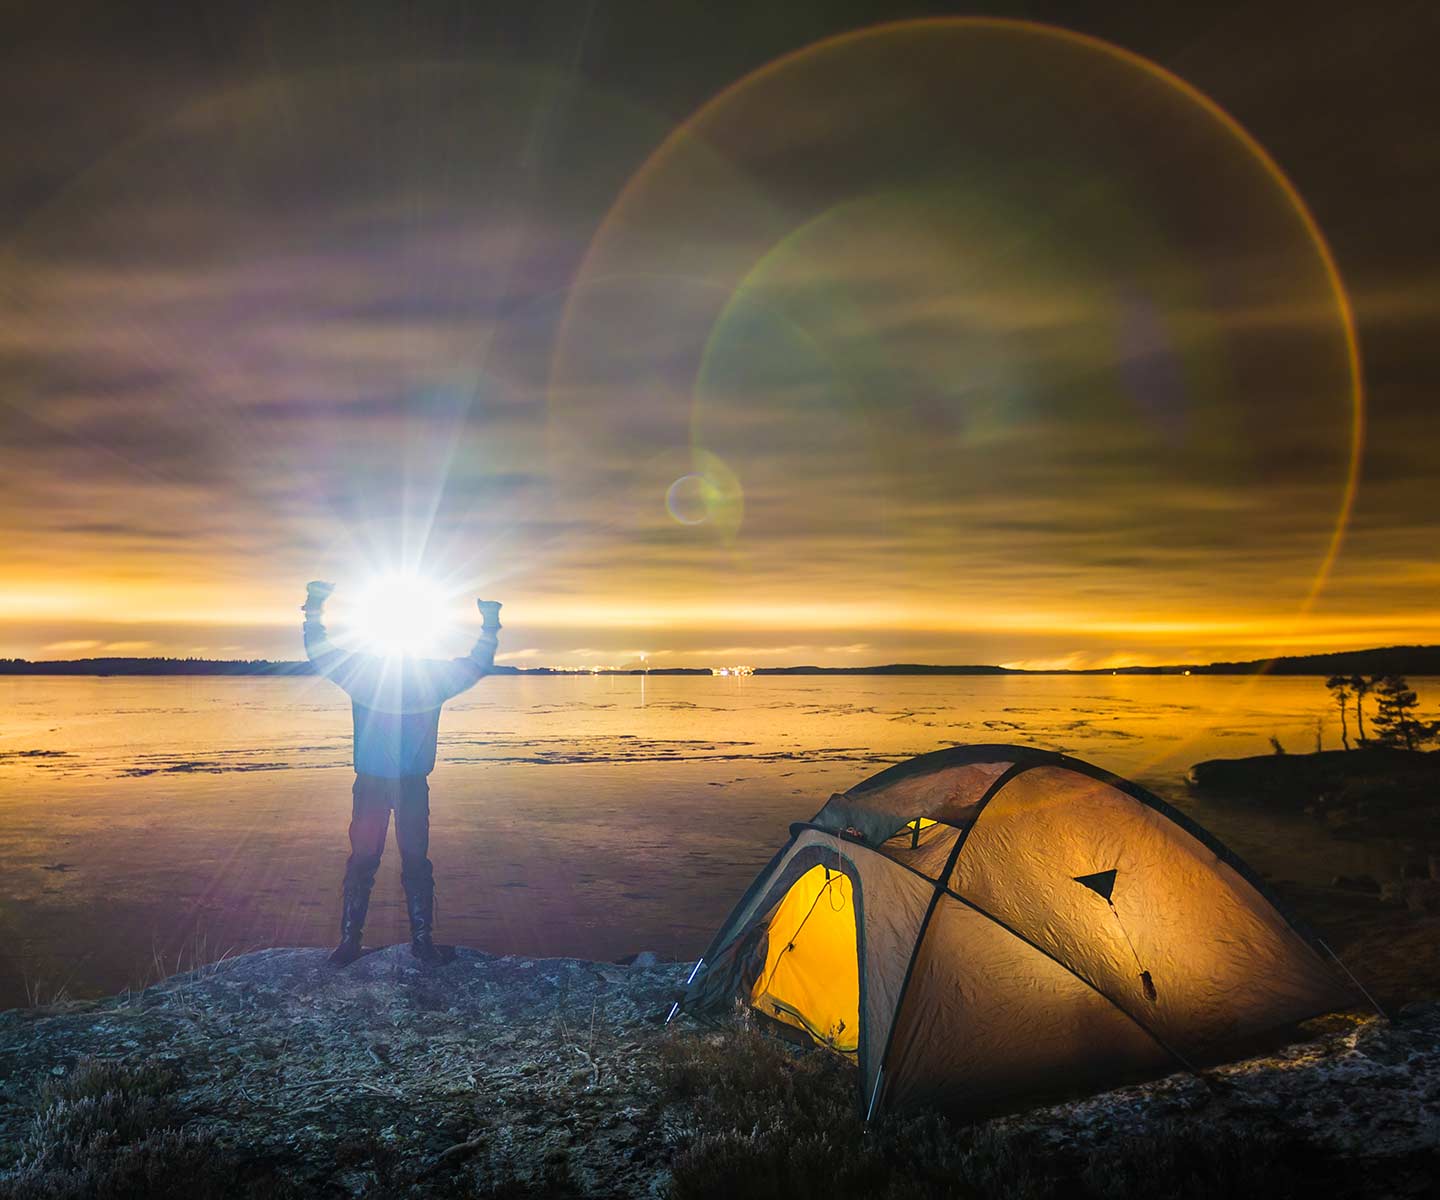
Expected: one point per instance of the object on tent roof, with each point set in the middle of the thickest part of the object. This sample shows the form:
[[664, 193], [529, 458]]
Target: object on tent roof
[[989, 927]]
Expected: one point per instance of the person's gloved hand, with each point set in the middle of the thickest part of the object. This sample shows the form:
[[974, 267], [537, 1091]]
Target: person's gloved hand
[[317, 591], [489, 614]]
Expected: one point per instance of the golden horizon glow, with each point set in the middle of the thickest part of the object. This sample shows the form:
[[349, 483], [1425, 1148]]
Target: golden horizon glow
[[749, 386], [271, 629]]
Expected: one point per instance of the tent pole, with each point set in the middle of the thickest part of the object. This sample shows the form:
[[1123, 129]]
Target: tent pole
[[941, 888]]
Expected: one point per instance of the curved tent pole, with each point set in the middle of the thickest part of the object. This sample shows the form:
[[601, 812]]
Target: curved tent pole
[[940, 887]]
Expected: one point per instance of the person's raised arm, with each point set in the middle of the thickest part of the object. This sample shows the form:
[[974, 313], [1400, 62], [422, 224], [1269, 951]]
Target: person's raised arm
[[327, 657], [455, 676]]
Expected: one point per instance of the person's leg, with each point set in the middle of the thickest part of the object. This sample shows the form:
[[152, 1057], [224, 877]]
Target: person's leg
[[369, 823], [412, 832]]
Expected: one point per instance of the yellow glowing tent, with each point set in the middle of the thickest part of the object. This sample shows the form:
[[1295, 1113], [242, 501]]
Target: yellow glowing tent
[[992, 926]]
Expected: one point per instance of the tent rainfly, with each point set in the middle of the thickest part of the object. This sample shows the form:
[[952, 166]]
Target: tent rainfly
[[992, 926]]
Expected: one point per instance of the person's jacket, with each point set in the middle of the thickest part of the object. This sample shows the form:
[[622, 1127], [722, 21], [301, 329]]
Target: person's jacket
[[396, 701]]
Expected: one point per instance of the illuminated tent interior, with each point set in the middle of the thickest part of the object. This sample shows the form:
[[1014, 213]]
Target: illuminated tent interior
[[990, 926]]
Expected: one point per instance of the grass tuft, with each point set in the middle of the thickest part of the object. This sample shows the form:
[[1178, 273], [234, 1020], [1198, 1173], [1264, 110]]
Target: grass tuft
[[747, 1080], [107, 1131]]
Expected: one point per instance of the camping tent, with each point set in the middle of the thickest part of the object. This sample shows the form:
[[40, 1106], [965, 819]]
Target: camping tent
[[991, 926]]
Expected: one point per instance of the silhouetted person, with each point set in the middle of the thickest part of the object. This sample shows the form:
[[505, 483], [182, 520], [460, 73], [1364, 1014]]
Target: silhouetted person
[[396, 703]]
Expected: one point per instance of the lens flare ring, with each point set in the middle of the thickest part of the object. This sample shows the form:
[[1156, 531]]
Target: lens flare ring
[[597, 261]]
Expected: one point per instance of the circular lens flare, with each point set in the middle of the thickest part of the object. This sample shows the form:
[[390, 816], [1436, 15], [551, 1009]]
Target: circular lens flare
[[686, 499], [401, 615], [1021, 286]]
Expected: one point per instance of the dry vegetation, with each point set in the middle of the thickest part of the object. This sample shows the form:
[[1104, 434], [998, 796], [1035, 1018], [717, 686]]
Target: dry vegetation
[[767, 1122], [110, 1131], [272, 1076]]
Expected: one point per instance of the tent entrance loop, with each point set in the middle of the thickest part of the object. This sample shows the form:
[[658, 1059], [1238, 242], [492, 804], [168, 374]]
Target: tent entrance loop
[[1146, 981], [811, 977]]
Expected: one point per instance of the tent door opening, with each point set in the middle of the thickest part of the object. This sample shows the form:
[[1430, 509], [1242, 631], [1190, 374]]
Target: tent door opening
[[811, 978]]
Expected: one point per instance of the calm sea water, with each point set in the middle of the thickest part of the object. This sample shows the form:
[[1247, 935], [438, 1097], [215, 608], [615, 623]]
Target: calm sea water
[[150, 821]]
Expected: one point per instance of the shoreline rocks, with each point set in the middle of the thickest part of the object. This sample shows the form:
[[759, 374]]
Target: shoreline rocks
[[1371, 792]]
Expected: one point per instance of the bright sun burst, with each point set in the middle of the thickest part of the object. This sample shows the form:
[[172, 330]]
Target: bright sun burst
[[401, 615]]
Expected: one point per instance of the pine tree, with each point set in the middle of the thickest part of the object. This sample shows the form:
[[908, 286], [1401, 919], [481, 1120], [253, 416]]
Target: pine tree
[[1340, 685], [1361, 687], [1395, 720]]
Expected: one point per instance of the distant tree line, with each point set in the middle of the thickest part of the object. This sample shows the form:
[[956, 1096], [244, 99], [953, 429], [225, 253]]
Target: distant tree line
[[1396, 723], [153, 666]]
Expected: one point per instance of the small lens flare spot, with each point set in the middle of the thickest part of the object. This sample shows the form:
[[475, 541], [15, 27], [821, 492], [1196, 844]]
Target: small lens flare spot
[[400, 615], [689, 498]]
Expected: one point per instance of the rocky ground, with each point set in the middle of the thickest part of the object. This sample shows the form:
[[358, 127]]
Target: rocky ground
[[514, 1076], [488, 1064], [1363, 1088]]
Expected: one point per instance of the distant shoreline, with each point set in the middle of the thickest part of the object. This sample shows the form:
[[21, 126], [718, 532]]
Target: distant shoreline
[[1388, 660]]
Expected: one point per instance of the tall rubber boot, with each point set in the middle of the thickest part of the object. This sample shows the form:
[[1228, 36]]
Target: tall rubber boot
[[419, 880], [359, 879]]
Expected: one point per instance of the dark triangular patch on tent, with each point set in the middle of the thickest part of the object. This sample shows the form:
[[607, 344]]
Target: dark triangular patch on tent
[[1102, 883]]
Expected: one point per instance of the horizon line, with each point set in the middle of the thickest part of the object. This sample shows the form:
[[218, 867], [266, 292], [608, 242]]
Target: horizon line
[[303, 666]]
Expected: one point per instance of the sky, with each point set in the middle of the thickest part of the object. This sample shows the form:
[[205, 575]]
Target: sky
[[1059, 335]]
